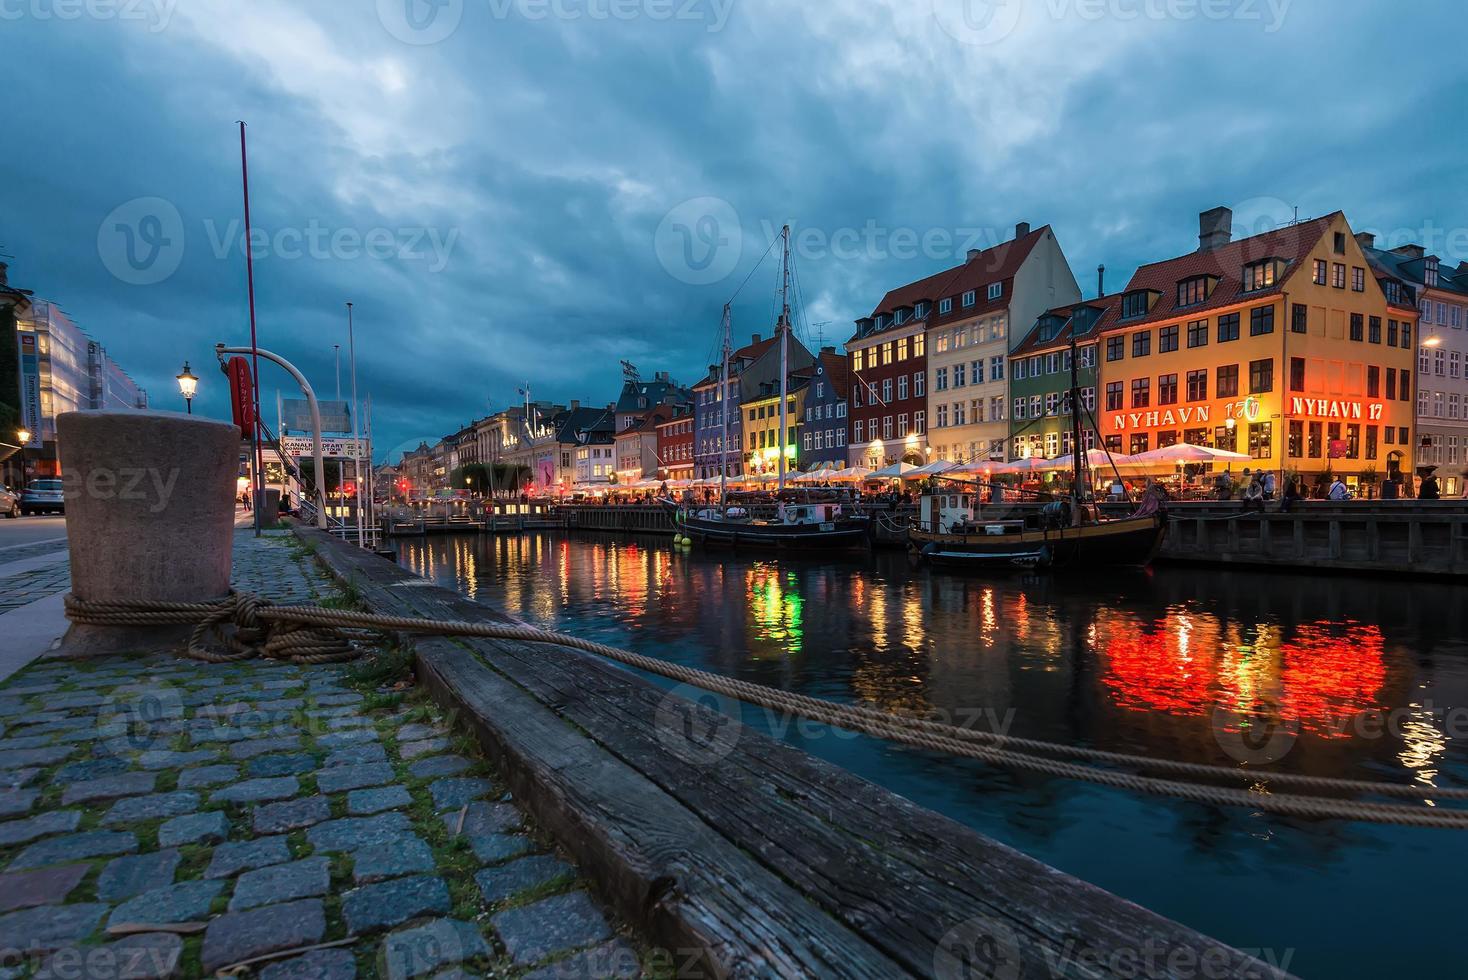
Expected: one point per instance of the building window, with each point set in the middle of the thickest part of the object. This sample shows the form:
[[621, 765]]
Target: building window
[[996, 290], [1167, 389], [1135, 304], [968, 298], [902, 349], [1297, 374], [1318, 275], [886, 427], [920, 422], [1052, 363], [1358, 279], [996, 369], [1391, 333], [886, 391], [940, 379], [1299, 318], [1141, 392], [1115, 348], [945, 306], [1142, 343], [1261, 320], [902, 386], [1052, 403], [1167, 339], [1228, 327], [918, 386], [1198, 386], [1113, 396], [1338, 275], [1228, 381], [1358, 327], [1139, 443], [1406, 335], [959, 375], [1019, 408], [1261, 440], [1296, 439], [941, 420], [1198, 333], [1261, 376], [1035, 407], [1088, 356], [1373, 333], [1191, 292], [1259, 275], [1035, 366], [1019, 369]]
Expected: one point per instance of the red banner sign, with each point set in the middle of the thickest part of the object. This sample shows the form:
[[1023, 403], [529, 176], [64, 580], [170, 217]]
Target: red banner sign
[[241, 394]]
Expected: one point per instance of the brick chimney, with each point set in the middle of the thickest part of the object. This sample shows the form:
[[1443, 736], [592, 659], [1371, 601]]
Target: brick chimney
[[1366, 239], [754, 338], [575, 405], [1410, 251], [1022, 229], [1215, 229], [1100, 281], [973, 253]]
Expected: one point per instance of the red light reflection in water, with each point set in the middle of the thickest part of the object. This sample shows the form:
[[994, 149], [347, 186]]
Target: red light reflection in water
[[1187, 664]]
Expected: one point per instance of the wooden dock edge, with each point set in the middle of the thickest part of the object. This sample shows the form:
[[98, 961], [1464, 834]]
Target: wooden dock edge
[[768, 862]]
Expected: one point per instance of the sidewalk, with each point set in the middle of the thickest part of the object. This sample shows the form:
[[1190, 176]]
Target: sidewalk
[[228, 813]]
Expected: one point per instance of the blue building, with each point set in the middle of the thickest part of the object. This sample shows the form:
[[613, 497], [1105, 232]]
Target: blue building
[[750, 367], [823, 427]]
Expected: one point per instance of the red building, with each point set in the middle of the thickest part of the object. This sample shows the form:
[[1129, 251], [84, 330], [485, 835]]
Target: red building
[[888, 360], [675, 446]]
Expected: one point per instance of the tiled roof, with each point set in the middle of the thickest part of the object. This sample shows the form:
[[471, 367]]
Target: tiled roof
[[1292, 243], [749, 352], [838, 371], [998, 263], [1411, 270], [1032, 342]]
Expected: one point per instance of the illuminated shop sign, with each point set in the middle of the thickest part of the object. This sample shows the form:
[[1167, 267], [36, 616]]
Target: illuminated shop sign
[[1246, 409], [1330, 408]]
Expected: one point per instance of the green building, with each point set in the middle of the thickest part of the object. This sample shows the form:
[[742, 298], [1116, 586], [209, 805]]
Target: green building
[[1039, 381]]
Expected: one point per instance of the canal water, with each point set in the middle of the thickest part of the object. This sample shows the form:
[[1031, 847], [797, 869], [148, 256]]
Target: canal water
[[1351, 677]]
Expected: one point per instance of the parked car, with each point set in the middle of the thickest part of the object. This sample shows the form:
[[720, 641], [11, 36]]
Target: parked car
[[9, 502], [43, 496]]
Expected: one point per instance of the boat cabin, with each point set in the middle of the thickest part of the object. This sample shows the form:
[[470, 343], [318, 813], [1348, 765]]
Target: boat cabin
[[816, 513]]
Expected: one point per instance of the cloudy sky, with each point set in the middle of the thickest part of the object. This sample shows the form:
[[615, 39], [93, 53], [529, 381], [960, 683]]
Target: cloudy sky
[[513, 190]]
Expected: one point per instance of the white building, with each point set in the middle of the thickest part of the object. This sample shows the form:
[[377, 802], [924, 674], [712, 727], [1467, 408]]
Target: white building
[[1442, 357]]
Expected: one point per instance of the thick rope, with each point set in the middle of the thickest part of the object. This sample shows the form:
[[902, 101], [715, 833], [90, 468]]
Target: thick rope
[[313, 634]]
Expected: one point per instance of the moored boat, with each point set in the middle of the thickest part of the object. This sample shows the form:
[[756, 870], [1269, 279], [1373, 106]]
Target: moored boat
[[797, 526], [953, 532]]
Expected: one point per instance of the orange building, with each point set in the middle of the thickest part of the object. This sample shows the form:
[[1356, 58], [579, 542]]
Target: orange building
[[1282, 345]]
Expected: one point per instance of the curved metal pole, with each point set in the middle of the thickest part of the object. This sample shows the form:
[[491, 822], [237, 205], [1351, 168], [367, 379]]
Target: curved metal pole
[[310, 394]]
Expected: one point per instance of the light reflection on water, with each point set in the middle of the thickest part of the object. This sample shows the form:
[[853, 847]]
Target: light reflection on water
[[1138, 662]]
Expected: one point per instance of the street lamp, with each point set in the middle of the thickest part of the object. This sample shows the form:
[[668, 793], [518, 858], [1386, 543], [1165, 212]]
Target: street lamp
[[24, 435], [187, 385]]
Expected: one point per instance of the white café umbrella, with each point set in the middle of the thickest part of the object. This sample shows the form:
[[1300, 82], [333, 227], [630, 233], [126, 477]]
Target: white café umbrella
[[851, 474], [894, 471], [934, 468], [1168, 457]]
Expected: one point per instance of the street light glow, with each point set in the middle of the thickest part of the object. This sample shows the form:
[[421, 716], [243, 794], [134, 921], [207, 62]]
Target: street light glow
[[187, 383]]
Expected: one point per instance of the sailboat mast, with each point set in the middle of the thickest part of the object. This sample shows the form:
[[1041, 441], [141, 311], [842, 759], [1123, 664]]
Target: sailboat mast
[[784, 329], [1077, 450], [724, 397]]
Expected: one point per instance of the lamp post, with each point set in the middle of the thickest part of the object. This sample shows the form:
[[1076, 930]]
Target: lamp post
[[187, 385], [24, 436]]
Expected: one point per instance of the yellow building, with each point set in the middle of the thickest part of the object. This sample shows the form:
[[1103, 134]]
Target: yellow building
[[762, 430], [1283, 346]]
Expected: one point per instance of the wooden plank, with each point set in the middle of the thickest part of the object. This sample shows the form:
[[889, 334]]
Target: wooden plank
[[911, 883]]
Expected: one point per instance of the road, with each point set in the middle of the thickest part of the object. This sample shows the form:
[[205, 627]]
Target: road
[[31, 530]]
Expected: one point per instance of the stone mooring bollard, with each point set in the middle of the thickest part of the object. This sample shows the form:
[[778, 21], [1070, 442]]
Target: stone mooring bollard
[[150, 504]]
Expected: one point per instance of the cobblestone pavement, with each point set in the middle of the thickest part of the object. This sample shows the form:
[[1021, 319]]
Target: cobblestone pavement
[[225, 813], [37, 550], [24, 588]]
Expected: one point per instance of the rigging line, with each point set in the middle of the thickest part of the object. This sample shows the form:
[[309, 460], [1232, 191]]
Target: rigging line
[[753, 271]]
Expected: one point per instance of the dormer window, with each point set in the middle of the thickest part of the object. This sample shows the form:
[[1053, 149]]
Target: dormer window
[[996, 290], [1136, 303], [1393, 291], [921, 309], [1261, 274], [968, 298], [1194, 290], [899, 316], [880, 322], [1430, 271], [945, 306]]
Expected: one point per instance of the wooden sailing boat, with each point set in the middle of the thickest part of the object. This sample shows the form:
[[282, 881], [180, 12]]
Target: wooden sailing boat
[[953, 530], [798, 525]]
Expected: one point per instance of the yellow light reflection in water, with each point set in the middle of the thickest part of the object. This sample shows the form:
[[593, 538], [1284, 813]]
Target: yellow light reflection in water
[[1423, 745]]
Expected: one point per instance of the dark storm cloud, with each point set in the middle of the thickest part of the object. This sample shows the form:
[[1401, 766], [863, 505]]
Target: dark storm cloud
[[512, 201]]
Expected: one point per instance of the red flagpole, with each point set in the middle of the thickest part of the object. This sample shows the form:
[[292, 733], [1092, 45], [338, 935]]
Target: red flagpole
[[254, 346]]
